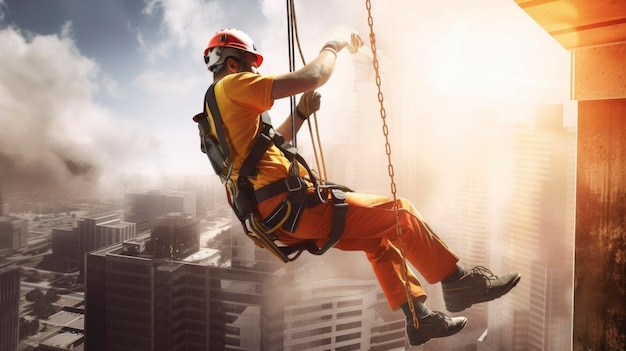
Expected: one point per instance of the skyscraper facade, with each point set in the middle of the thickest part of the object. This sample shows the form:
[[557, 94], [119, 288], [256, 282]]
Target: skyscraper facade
[[329, 303], [66, 248], [9, 307], [13, 230], [143, 207], [175, 236], [535, 238], [136, 301], [99, 231]]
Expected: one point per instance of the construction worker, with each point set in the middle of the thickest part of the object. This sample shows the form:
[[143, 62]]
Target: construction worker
[[242, 95]]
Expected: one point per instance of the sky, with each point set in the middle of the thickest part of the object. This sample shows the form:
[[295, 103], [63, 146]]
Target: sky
[[92, 90]]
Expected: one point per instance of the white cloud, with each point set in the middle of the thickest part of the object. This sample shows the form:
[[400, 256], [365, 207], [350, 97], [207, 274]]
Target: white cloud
[[111, 86], [174, 74], [67, 30], [52, 133], [184, 23]]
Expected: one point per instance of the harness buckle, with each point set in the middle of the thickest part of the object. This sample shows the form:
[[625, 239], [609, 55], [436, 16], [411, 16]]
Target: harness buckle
[[339, 196], [320, 196], [293, 184]]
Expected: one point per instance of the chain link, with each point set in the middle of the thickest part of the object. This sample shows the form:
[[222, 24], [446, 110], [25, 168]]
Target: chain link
[[390, 170]]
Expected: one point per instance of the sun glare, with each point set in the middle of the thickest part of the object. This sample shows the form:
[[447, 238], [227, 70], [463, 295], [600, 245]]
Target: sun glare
[[509, 60]]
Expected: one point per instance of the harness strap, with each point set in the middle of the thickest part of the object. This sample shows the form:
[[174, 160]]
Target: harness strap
[[243, 202], [217, 119], [296, 190], [262, 142], [281, 186], [277, 217], [340, 209], [293, 220], [292, 153]]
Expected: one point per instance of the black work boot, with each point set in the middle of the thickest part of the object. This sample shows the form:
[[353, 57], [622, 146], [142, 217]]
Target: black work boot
[[435, 325], [479, 285]]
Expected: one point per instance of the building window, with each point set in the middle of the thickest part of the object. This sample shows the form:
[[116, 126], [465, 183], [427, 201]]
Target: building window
[[346, 337], [310, 345], [349, 314], [347, 326], [313, 332], [358, 302], [350, 347]]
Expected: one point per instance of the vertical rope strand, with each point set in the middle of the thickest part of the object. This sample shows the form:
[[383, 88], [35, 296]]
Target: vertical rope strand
[[316, 142], [292, 67]]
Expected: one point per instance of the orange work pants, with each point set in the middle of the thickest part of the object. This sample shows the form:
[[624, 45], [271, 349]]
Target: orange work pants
[[371, 228]]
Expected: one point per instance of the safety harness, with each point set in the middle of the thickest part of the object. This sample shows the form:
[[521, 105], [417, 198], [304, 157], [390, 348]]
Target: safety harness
[[243, 198]]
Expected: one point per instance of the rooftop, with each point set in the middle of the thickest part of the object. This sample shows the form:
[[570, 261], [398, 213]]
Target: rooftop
[[67, 319], [63, 340]]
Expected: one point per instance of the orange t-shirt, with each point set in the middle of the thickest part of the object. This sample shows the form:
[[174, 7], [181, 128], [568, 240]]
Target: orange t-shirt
[[241, 98]]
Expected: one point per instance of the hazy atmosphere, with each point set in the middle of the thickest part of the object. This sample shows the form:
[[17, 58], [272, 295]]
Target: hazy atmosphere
[[97, 99], [92, 90]]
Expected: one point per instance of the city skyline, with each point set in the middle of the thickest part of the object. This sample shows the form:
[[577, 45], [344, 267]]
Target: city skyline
[[468, 195], [464, 89]]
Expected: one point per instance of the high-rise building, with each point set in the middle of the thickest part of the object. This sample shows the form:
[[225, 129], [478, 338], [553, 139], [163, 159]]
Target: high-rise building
[[143, 207], [323, 303], [66, 250], [4, 207], [99, 231], [137, 302], [9, 307], [340, 314], [536, 232], [175, 236], [103, 230], [468, 197], [136, 299], [13, 230]]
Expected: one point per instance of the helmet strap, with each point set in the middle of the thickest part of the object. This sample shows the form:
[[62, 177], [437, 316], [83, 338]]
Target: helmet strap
[[242, 57]]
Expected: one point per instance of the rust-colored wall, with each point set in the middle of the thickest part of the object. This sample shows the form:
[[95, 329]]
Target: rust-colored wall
[[600, 265], [600, 72]]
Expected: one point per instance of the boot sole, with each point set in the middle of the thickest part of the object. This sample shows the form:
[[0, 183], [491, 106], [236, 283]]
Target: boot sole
[[423, 341], [468, 303]]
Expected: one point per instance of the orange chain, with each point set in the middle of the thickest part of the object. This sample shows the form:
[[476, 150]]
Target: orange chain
[[383, 116]]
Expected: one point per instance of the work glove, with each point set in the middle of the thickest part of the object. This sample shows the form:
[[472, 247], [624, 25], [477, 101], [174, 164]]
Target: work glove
[[337, 45], [309, 103], [355, 43]]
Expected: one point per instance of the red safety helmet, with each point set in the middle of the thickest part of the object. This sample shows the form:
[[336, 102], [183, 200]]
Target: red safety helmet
[[217, 48]]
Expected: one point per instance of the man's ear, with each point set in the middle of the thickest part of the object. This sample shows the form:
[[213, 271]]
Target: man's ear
[[232, 64]]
